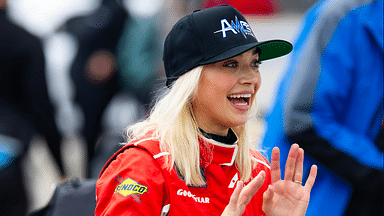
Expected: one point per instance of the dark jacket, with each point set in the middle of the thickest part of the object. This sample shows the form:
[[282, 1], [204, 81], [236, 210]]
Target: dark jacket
[[25, 106]]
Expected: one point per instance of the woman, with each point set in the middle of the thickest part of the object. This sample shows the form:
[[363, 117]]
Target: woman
[[192, 155]]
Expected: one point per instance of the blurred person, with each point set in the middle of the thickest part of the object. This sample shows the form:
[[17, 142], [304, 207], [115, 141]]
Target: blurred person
[[25, 110], [118, 54], [138, 75], [94, 68], [139, 50], [192, 155], [330, 102]]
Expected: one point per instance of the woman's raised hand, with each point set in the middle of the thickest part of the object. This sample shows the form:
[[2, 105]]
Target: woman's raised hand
[[288, 196], [283, 197], [241, 196]]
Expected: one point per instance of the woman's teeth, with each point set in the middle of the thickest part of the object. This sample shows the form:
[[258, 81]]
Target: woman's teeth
[[239, 99]]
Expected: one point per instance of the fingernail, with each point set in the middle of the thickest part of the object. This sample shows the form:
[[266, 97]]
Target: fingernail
[[262, 174]]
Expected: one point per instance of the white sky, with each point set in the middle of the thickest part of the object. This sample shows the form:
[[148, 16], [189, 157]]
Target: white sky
[[42, 17]]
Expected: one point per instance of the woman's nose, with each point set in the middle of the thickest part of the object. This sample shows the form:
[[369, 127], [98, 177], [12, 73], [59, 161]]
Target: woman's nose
[[250, 76]]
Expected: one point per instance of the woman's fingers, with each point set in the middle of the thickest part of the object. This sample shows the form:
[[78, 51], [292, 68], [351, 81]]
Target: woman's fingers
[[232, 208], [256, 183], [275, 165], [236, 193], [293, 166], [250, 190], [241, 196], [298, 175], [290, 165], [311, 178], [268, 194]]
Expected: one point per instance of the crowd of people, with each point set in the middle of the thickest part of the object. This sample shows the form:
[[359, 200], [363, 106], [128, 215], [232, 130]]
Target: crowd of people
[[194, 95]]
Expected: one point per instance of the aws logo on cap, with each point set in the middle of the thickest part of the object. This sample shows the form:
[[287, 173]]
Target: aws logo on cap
[[236, 27], [131, 187]]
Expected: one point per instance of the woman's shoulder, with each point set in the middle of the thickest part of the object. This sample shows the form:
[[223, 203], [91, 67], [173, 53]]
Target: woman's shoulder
[[260, 158], [142, 151], [131, 178]]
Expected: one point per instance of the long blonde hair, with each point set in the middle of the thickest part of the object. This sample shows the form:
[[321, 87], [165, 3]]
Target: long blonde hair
[[173, 124]]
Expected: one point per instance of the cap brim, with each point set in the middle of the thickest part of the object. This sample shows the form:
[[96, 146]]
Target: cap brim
[[269, 50], [274, 49]]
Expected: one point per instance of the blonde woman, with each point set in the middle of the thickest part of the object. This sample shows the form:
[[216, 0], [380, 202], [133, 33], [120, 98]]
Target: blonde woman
[[193, 154]]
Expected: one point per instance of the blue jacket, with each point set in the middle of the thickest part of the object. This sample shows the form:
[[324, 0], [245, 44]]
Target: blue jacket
[[330, 101]]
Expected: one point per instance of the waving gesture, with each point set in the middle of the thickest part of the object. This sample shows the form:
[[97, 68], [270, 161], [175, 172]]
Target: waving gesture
[[283, 197], [288, 196]]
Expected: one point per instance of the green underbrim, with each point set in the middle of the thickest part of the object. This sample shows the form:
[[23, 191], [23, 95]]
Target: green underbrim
[[274, 49]]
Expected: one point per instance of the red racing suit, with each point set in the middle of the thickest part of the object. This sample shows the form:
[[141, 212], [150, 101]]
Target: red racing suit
[[137, 181]]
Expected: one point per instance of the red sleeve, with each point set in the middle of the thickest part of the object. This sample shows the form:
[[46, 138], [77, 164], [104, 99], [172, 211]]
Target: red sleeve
[[133, 184]]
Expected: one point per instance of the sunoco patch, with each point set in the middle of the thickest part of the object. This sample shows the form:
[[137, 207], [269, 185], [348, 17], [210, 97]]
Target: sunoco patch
[[130, 187]]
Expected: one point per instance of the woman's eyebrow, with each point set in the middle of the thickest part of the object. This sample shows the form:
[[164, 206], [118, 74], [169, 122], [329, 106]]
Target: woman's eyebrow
[[255, 51]]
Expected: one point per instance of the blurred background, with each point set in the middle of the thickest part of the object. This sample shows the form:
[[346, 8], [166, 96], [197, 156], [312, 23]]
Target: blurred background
[[103, 67]]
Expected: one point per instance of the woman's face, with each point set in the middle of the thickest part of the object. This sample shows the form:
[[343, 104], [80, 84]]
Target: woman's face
[[226, 92]]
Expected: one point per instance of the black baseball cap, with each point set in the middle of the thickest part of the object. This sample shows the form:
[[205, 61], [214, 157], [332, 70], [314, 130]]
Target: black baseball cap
[[211, 35]]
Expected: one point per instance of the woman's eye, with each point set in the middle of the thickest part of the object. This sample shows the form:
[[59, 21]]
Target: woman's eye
[[230, 64], [256, 64]]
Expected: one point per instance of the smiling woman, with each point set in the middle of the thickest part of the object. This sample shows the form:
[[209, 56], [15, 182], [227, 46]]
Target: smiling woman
[[193, 152], [226, 93]]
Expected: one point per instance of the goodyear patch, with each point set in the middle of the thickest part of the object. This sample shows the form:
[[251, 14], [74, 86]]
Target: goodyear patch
[[130, 187]]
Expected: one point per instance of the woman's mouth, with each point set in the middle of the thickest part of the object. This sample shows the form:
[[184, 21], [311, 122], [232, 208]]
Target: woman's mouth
[[240, 99]]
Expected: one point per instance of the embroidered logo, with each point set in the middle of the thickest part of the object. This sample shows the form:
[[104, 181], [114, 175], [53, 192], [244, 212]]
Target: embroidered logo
[[129, 187], [233, 181], [185, 193], [236, 27]]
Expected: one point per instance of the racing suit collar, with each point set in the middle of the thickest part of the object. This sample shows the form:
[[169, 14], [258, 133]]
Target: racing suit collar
[[215, 152]]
